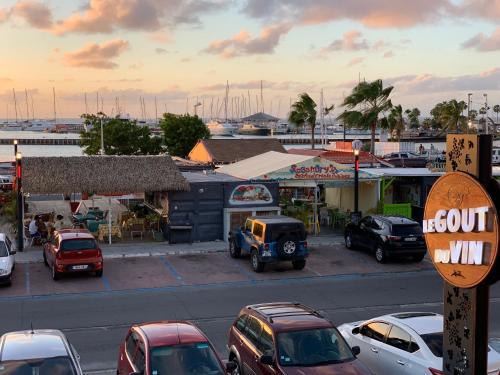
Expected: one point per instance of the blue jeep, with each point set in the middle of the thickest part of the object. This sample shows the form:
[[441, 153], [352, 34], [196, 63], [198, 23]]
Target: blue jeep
[[270, 239]]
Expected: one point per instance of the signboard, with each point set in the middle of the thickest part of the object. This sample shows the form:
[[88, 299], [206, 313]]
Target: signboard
[[250, 194], [461, 230], [462, 153], [316, 169]]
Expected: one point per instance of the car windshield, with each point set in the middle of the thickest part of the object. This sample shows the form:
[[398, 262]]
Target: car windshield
[[41, 366], [3, 250], [314, 347], [80, 244], [435, 343], [406, 230], [192, 359]]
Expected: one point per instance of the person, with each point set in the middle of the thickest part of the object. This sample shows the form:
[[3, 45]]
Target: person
[[33, 227], [421, 148], [59, 224]]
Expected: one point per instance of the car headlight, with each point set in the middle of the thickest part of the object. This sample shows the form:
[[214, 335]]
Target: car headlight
[[3, 272]]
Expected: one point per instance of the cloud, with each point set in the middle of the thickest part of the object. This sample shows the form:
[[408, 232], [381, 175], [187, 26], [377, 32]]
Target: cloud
[[243, 43], [36, 14], [485, 9], [375, 14], [106, 16], [388, 54], [98, 56], [173, 93], [356, 61], [161, 51], [350, 41], [4, 15], [5, 80], [484, 43]]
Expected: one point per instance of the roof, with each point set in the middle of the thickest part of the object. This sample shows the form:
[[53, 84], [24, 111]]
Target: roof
[[395, 219], [277, 219], [284, 316], [262, 164], [200, 177], [165, 333], [101, 174], [403, 172], [420, 323], [341, 156], [71, 234], [26, 345], [260, 117], [223, 151]]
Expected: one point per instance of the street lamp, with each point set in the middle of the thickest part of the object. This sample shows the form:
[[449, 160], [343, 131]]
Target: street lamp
[[20, 224], [15, 147], [356, 181]]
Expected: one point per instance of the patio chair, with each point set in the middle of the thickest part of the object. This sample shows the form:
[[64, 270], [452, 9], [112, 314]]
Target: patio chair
[[136, 228], [324, 216]]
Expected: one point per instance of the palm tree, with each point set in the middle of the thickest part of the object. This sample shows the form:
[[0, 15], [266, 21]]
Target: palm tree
[[373, 100], [452, 117], [304, 113], [396, 121]]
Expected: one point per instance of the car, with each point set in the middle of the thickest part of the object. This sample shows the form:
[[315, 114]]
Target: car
[[169, 347], [7, 259], [73, 251], [41, 352], [270, 239], [406, 159], [404, 343], [287, 338], [387, 236]]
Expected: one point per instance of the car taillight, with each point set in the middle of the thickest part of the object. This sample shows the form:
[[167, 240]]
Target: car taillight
[[99, 253], [58, 255], [435, 372], [305, 244], [266, 246], [393, 238]]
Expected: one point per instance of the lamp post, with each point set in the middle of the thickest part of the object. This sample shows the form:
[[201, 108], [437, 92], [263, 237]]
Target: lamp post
[[15, 147], [20, 226], [356, 181]]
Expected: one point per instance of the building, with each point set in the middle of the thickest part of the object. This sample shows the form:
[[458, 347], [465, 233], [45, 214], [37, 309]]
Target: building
[[345, 157], [225, 151]]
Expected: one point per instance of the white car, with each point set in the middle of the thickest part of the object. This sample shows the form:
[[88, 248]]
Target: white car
[[7, 259], [404, 344]]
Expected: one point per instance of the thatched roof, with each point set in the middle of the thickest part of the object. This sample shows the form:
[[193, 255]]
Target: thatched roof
[[101, 174]]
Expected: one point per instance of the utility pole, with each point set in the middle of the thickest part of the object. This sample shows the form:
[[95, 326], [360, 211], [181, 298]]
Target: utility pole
[[486, 112]]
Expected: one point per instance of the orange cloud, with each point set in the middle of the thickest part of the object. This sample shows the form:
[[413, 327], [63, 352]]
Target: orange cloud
[[484, 43], [97, 56], [34, 13]]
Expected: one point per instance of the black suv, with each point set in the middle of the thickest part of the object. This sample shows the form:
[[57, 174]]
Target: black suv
[[387, 236]]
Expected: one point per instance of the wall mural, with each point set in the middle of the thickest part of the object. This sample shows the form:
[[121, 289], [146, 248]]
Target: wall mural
[[250, 195]]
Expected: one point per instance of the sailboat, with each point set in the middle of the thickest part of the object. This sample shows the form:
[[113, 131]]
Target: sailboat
[[219, 128]]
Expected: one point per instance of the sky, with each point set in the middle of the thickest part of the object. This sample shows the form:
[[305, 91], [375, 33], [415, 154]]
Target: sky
[[117, 53]]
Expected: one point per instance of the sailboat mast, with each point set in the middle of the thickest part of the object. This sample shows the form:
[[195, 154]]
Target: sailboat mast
[[97, 103], [32, 107], [249, 104], [225, 101], [156, 111], [15, 103], [86, 104], [261, 97], [27, 105]]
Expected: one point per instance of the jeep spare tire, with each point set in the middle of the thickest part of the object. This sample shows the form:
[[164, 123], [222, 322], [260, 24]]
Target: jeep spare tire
[[287, 247]]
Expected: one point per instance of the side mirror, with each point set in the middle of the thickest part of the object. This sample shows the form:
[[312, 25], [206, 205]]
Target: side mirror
[[356, 350], [231, 366], [13, 252], [267, 360], [355, 330]]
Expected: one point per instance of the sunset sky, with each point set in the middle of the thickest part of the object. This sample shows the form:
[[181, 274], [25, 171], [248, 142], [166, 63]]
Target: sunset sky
[[178, 50]]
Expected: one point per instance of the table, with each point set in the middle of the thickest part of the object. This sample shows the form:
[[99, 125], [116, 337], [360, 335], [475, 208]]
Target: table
[[104, 231]]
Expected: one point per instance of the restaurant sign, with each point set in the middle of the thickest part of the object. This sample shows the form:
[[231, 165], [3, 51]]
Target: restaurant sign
[[461, 230]]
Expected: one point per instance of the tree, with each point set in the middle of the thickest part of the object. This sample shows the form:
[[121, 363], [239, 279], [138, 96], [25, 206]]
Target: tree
[[413, 117], [496, 109], [304, 113], [451, 116], [121, 137], [182, 132], [396, 121], [373, 100]]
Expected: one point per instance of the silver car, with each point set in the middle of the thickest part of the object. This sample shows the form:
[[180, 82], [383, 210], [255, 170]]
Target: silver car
[[41, 352]]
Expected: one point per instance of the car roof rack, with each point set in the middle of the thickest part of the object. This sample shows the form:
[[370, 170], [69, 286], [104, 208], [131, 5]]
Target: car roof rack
[[408, 315], [304, 310]]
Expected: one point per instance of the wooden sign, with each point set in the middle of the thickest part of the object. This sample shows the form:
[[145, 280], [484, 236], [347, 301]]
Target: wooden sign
[[461, 230], [462, 151]]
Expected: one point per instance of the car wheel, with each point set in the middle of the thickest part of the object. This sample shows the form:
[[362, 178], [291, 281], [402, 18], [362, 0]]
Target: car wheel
[[348, 241], [418, 258], [45, 259], [257, 265], [237, 370], [99, 273], [55, 275], [380, 254], [234, 250], [299, 264], [9, 282]]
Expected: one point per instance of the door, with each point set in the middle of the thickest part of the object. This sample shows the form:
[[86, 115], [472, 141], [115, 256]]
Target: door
[[247, 235], [363, 234], [249, 354], [127, 353], [369, 339], [266, 346], [397, 354]]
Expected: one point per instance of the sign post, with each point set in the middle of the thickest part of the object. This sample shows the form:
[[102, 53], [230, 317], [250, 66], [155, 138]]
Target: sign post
[[462, 232]]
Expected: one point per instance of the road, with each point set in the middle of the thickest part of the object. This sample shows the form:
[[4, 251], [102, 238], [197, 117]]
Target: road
[[95, 322]]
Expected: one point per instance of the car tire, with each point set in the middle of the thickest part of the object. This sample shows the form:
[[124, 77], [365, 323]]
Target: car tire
[[238, 370], [45, 259], [55, 275], [99, 273], [9, 282], [257, 265], [418, 258], [348, 241], [299, 264], [234, 251], [287, 247], [380, 255]]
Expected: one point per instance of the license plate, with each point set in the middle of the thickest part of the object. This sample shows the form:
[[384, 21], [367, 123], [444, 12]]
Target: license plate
[[82, 267], [411, 239]]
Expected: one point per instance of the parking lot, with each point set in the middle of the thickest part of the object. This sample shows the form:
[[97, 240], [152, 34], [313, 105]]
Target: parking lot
[[198, 269]]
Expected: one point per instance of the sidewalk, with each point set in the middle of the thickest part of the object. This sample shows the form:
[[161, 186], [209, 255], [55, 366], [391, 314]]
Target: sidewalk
[[151, 249]]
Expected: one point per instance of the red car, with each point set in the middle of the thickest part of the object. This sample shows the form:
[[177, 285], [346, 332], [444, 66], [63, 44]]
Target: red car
[[288, 338], [169, 347], [73, 250]]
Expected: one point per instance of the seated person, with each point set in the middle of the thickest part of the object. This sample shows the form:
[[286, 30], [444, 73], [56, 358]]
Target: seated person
[[33, 227]]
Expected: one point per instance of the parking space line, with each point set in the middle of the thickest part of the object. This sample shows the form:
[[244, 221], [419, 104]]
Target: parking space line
[[172, 270], [27, 276], [106, 283], [242, 270]]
